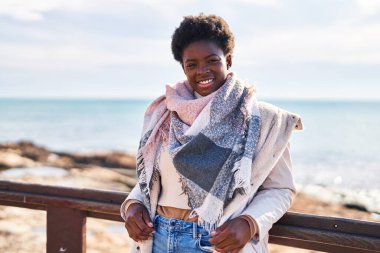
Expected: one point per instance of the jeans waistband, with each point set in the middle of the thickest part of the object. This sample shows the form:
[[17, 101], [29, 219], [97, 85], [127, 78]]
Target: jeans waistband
[[179, 226]]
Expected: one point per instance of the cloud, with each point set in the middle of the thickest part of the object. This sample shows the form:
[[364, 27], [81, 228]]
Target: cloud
[[368, 7], [109, 42], [36, 9], [265, 3], [84, 55], [45, 48], [30, 10], [339, 44]]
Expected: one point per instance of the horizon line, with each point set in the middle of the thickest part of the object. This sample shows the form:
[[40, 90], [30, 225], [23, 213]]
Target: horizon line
[[324, 99]]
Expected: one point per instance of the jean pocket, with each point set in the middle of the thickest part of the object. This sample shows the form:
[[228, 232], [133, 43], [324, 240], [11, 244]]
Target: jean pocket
[[155, 218], [203, 243]]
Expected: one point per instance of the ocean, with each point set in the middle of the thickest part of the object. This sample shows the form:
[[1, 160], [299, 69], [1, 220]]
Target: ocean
[[338, 148]]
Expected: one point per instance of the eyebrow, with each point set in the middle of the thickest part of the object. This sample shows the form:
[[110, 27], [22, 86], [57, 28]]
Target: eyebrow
[[208, 56]]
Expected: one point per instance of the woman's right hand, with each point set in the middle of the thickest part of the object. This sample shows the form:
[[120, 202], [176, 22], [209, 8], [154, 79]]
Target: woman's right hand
[[138, 222]]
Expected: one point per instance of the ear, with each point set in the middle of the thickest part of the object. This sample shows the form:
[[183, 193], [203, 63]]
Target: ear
[[229, 61]]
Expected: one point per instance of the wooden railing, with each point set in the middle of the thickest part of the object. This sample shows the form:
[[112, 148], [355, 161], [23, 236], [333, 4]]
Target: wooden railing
[[68, 208]]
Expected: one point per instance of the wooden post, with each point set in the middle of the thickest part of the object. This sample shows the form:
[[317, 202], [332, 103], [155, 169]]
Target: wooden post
[[66, 230]]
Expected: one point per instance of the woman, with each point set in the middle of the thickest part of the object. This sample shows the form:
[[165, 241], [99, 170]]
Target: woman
[[213, 164]]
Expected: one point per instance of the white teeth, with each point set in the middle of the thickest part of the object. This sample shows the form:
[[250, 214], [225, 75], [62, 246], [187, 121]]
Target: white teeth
[[205, 81]]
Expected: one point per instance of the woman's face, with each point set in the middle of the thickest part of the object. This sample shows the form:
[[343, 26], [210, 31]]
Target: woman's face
[[205, 66]]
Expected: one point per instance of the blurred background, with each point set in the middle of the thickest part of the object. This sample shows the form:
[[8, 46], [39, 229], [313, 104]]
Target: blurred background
[[76, 77]]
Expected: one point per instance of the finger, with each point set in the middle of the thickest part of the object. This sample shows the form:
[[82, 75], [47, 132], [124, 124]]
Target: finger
[[143, 237], [223, 226], [226, 239], [138, 227], [148, 230], [235, 250], [219, 238], [138, 236], [227, 244], [148, 225], [132, 229], [146, 219], [140, 223], [217, 242], [138, 215], [218, 230]]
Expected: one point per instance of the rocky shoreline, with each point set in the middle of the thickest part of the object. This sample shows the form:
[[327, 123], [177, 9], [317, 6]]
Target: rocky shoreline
[[27, 154], [23, 230]]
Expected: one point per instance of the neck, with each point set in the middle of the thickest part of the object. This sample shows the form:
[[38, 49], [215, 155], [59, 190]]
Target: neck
[[197, 95]]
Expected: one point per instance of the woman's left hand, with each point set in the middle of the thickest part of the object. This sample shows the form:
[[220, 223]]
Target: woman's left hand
[[231, 236]]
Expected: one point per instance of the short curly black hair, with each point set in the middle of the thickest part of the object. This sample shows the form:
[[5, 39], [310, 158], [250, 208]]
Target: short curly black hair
[[202, 27]]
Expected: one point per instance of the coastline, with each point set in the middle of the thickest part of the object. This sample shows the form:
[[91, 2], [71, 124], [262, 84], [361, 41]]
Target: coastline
[[26, 162]]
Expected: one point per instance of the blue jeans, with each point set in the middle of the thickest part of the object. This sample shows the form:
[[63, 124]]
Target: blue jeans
[[173, 235]]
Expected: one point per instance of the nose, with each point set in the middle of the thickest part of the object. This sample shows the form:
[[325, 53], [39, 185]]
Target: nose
[[203, 68]]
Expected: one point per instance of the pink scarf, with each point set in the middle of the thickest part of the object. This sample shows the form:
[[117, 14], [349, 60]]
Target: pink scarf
[[212, 141]]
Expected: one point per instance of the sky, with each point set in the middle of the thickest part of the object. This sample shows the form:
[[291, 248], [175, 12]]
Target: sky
[[290, 49]]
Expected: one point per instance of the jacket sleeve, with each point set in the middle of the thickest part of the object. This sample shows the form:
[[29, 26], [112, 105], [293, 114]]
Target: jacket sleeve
[[135, 196], [274, 196]]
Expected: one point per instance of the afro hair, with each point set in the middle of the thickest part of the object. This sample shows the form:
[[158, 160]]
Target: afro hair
[[202, 27]]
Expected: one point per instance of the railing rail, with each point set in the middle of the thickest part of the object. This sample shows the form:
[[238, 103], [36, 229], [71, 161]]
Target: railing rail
[[67, 209]]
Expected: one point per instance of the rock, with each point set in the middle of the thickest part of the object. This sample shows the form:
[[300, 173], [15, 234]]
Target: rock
[[61, 161], [28, 149], [32, 152], [14, 160], [355, 206], [102, 159], [122, 160], [127, 172]]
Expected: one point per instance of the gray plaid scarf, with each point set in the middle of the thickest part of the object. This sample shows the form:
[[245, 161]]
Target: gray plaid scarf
[[213, 155]]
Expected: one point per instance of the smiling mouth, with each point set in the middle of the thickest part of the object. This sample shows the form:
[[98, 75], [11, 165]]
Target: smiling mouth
[[205, 82]]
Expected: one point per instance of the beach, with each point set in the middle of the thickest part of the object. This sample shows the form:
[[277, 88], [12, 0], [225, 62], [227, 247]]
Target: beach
[[24, 230], [80, 83]]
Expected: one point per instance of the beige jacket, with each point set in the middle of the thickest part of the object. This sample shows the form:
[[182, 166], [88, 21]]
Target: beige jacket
[[272, 181]]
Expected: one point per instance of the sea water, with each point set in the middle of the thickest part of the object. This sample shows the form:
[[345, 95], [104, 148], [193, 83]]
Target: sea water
[[73, 125], [339, 146]]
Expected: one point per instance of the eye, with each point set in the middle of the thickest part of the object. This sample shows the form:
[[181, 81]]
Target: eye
[[190, 65], [213, 60]]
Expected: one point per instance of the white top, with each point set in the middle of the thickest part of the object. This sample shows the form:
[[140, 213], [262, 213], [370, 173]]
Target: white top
[[171, 187]]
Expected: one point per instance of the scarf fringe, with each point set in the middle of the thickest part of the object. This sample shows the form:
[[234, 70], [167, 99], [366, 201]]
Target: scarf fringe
[[208, 226]]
